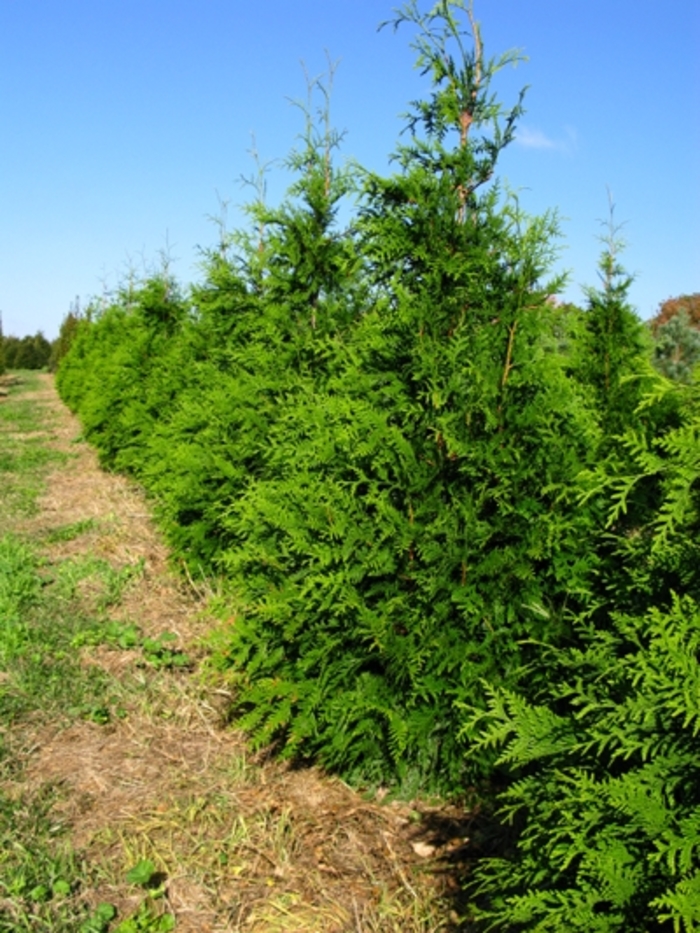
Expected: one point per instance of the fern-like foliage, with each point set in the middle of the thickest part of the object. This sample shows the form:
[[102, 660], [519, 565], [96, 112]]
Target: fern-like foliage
[[605, 773], [606, 784], [414, 522]]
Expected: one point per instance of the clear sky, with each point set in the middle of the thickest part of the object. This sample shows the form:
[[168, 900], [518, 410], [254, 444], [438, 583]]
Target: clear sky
[[124, 123]]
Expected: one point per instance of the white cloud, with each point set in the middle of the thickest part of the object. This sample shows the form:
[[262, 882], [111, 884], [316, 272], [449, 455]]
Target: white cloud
[[531, 138]]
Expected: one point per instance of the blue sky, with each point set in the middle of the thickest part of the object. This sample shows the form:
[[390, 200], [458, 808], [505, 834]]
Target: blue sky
[[124, 123]]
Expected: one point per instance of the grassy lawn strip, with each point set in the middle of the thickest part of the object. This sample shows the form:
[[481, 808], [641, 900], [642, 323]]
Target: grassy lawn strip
[[43, 678]]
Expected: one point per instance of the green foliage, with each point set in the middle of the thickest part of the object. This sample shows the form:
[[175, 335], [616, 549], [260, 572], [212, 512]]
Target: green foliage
[[606, 777], [647, 493], [147, 920], [677, 347], [421, 478], [373, 433], [99, 920], [68, 331], [26, 352], [113, 374], [142, 873], [413, 521], [603, 758], [615, 344]]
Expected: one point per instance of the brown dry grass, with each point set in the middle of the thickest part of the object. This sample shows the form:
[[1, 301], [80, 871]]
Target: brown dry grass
[[246, 844]]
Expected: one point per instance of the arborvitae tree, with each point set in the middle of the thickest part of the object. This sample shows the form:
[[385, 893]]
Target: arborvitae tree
[[67, 333], [310, 265], [105, 376], [604, 794], [616, 344], [267, 313], [414, 523]]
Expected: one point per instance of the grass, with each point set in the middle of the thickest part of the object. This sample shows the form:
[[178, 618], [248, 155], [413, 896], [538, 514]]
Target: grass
[[42, 672], [24, 453], [39, 872], [43, 616], [124, 804]]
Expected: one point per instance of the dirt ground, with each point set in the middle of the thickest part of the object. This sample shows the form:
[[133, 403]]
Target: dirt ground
[[244, 843]]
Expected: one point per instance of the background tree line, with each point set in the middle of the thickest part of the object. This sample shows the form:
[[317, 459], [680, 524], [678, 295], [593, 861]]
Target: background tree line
[[36, 352], [25, 352], [456, 522]]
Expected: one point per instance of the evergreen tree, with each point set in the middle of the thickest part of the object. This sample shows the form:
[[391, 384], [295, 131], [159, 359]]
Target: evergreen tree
[[272, 303], [414, 521], [70, 325], [27, 352], [677, 347], [616, 345], [604, 790]]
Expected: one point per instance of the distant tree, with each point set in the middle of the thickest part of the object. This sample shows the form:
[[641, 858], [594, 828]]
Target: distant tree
[[673, 306], [27, 352], [10, 348], [614, 339], [2, 349], [66, 335], [677, 347]]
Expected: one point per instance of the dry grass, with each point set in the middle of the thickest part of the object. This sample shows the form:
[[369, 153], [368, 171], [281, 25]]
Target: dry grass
[[245, 843]]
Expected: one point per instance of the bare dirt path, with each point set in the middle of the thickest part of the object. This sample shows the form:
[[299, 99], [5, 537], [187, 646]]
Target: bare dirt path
[[244, 844]]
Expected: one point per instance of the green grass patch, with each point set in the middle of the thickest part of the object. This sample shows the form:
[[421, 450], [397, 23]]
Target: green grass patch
[[47, 612], [99, 582], [24, 455], [39, 625], [40, 875], [43, 625], [71, 531], [43, 881]]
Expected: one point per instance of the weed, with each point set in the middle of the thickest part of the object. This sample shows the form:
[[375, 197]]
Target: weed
[[99, 920], [93, 577], [146, 920], [40, 876], [158, 653], [72, 531]]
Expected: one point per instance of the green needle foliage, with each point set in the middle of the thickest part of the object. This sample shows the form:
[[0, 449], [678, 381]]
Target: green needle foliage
[[372, 432], [606, 784]]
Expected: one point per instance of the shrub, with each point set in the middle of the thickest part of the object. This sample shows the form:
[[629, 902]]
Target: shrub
[[413, 522], [604, 792]]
